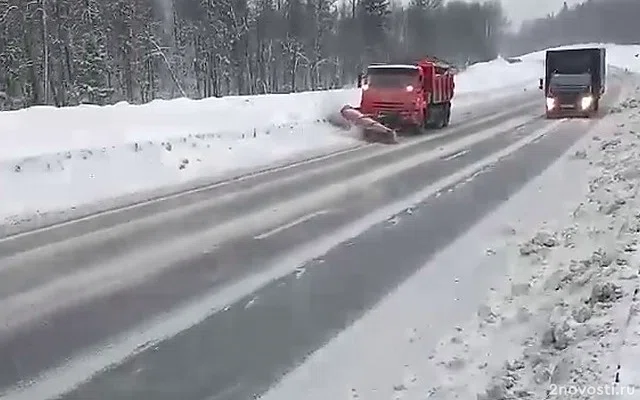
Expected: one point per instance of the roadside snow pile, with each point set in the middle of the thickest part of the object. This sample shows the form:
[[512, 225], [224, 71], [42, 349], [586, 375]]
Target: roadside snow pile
[[626, 57], [493, 76], [47, 130], [557, 326], [54, 159]]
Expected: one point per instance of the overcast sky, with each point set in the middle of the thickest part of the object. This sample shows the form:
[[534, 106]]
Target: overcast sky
[[520, 10]]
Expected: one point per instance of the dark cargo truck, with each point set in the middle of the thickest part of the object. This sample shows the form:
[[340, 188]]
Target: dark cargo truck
[[574, 81]]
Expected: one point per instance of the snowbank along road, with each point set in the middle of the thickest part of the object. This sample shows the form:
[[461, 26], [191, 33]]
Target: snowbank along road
[[216, 293]]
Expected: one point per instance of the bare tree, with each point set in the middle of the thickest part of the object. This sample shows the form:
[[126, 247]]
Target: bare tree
[[66, 52]]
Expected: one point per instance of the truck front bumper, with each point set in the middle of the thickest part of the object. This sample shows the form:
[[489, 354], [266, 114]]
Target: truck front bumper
[[567, 106], [398, 118]]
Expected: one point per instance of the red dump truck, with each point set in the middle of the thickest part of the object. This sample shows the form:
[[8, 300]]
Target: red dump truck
[[401, 97]]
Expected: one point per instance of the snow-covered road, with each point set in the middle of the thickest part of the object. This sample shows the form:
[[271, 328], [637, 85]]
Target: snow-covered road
[[564, 320], [261, 228], [475, 319]]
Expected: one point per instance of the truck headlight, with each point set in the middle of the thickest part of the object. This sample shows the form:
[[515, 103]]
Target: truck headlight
[[551, 102], [586, 102], [409, 88]]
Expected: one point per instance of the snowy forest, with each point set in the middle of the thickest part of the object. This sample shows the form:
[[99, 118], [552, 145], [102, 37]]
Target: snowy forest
[[66, 52], [594, 21]]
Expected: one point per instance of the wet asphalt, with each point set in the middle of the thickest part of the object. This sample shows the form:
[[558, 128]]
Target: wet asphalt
[[240, 352], [47, 344]]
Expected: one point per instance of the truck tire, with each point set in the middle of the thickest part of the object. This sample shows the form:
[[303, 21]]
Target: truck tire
[[442, 117], [596, 104], [447, 114], [426, 124], [437, 117]]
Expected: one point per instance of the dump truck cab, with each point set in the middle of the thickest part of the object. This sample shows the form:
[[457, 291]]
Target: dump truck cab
[[392, 93]]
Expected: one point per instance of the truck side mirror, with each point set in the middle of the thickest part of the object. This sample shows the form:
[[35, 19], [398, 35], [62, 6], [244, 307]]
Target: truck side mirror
[[359, 80], [540, 84]]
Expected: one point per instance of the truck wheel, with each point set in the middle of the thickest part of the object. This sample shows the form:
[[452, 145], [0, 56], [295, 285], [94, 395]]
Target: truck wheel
[[596, 105], [447, 114], [425, 121], [436, 120], [442, 117]]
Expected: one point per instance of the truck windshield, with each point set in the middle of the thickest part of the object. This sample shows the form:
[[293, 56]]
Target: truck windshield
[[575, 80], [391, 77]]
